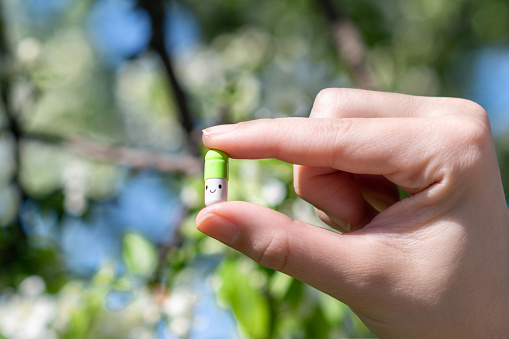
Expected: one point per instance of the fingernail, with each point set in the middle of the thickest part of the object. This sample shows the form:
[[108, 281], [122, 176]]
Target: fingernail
[[218, 228], [219, 129]]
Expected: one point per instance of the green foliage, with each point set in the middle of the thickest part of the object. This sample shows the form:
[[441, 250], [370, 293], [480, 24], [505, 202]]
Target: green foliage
[[247, 301], [140, 255]]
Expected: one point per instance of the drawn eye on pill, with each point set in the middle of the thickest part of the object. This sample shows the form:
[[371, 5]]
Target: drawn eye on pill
[[216, 177]]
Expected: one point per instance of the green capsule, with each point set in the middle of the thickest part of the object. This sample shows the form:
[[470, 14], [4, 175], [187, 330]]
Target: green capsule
[[216, 165]]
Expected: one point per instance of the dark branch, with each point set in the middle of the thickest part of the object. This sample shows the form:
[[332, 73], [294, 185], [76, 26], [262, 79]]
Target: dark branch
[[174, 241], [156, 11], [13, 125]]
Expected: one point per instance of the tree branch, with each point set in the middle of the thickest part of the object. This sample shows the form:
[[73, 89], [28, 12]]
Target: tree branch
[[174, 240], [134, 158], [156, 11], [16, 247], [12, 121]]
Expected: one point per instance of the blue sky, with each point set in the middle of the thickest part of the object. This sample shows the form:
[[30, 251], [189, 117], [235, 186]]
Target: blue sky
[[490, 85], [120, 30]]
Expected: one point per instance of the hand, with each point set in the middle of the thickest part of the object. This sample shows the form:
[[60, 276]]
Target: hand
[[435, 264]]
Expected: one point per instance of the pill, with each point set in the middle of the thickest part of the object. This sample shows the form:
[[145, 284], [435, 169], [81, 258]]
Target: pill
[[216, 177]]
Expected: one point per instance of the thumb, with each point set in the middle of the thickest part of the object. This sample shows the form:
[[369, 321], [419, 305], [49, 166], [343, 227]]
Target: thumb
[[337, 264]]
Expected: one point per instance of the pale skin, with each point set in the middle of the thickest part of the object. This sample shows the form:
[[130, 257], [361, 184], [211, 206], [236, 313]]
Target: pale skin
[[434, 265]]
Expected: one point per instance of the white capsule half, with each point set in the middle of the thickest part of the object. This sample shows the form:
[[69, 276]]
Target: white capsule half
[[216, 190]]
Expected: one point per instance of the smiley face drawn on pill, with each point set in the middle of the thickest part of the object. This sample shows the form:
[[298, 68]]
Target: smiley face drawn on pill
[[215, 191]]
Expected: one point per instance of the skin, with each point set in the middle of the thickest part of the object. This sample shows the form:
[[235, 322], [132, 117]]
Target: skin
[[434, 265]]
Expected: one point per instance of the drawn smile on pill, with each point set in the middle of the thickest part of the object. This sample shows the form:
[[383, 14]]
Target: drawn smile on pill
[[212, 191]]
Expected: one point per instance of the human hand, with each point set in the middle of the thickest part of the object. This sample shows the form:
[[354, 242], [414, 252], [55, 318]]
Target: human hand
[[435, 264]]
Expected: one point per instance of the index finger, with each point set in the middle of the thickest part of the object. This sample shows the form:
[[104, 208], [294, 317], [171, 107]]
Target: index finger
[[364, 146]]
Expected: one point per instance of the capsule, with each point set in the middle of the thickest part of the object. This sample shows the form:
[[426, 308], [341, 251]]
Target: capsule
[[216, 177]]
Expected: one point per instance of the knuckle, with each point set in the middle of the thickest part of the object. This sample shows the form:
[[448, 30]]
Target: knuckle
[[327, 96], [341, 128], [470, 131], [473, 109], [479, 112], [468, 109], [470, 140], [336, 102], [273, 253], [326, 100]]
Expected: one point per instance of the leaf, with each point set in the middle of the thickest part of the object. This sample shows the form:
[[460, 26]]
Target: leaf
[[248, 303], [139, 254], [280, 283], [317, 326], [332, 309]]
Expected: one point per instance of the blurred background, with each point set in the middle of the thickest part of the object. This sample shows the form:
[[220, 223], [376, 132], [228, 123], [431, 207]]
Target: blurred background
[[102, 103]]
